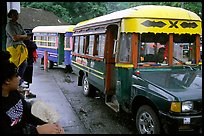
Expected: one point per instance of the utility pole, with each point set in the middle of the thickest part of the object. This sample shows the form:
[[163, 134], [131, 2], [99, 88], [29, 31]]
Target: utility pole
[[13, 5]]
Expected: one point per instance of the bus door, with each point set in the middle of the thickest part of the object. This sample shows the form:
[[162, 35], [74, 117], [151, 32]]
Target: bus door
[[60, 48], [110, 77]]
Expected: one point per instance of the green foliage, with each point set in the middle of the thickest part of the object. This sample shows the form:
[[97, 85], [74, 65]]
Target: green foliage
[[195, 7], [116, 6], [80, 11], [74, 12]]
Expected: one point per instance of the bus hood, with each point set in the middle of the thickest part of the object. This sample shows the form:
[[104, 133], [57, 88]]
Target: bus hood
[[183, 85]]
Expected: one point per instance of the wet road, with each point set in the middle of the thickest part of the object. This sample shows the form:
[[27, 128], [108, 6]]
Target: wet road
[[96, 117], [90, 113]]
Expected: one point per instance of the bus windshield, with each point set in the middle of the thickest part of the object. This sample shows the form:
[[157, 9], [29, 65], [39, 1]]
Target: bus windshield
[[153, 50]]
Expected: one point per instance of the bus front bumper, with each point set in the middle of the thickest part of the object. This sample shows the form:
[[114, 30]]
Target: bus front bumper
[[179, 124]]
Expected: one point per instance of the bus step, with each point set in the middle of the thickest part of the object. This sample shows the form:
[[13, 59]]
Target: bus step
[[113, 105]]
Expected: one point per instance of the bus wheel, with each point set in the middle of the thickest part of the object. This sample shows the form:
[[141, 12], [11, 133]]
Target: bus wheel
[[87, 87], [147, 121], [50, 64], [42, 61]]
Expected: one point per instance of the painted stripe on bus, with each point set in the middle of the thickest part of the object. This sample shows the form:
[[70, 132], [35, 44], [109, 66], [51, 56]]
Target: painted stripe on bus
[[44, 41], [53, 55], [87, 71], [88, 68], [124, 65], [39, 46]]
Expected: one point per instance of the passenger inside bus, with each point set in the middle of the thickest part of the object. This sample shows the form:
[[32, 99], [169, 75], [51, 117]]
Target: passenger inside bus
[[149, 53]]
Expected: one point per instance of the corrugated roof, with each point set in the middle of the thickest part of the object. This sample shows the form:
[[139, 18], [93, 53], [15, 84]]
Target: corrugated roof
[[31, 17]]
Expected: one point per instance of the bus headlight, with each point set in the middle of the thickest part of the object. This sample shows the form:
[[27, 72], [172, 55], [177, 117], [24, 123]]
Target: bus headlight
[[182, 106], [187, 106]]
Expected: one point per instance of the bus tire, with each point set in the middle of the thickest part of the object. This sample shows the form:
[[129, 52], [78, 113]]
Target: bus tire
[[50, 64], [87, 87], [42, 61], [147, 121]]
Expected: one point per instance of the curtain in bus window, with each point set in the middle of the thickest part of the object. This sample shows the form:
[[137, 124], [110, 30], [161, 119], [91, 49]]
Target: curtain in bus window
[[81, 45], [76, 44], [95, 53], [101, 45], [125, 48], [91, 44]]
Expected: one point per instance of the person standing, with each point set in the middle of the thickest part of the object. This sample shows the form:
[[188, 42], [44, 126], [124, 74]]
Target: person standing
[[28, 74], [14, 44]]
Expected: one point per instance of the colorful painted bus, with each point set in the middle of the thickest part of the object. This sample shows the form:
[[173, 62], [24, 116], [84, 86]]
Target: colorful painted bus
[[136, 58], [57, 42]]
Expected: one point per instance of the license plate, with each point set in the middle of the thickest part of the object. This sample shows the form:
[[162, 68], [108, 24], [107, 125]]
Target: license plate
[[186, 120]]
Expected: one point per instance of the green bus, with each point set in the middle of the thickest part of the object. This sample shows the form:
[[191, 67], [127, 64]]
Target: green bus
[[137, 58]]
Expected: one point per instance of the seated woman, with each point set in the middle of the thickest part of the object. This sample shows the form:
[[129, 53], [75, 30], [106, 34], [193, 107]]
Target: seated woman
[[16, 112]]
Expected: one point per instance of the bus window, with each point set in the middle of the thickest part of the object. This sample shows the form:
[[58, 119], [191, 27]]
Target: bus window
[[76, 44], [153, 49], [52, 41], [81, 44], [152, 52], [37, 38], [86, 46], [183, 53], [67, 42], [149, 52], [101, 45], [91, 44], [125, 48], [44, 38], [96, 45]]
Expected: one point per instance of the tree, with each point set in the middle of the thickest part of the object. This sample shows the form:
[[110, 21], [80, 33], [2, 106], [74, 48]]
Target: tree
[[75, 12], [195, 7], [71, 12]]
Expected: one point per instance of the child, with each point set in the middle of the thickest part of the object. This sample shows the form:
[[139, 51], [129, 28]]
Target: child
[[16, 112]]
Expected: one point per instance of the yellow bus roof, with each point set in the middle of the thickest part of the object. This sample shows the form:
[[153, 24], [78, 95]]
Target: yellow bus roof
[[53, 29], [146, 12]]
